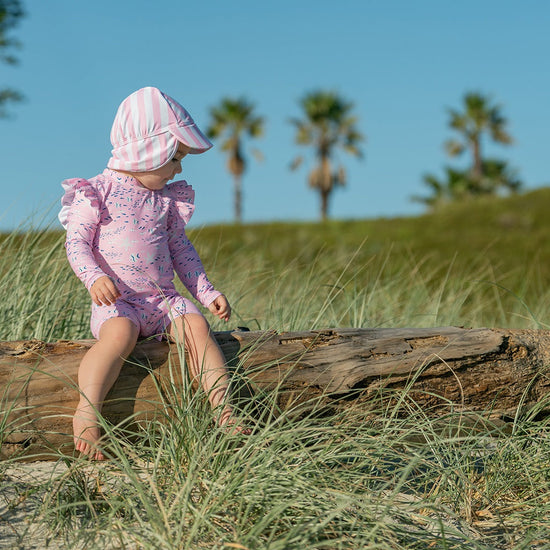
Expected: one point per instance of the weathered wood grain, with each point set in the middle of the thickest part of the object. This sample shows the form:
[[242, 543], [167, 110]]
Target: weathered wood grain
[[473, 369]]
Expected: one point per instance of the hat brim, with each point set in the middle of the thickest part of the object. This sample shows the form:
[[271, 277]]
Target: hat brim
[[192, 137]]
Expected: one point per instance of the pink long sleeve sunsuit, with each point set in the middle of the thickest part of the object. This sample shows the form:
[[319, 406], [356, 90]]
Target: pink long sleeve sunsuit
[[136, 236]]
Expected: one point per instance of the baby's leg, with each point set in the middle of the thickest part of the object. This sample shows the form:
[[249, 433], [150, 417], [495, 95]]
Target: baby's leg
[[207, 363], [98, 371]]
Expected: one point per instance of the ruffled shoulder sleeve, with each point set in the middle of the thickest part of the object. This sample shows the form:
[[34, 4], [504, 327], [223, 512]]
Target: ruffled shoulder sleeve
[[76, 190], [183, 202]]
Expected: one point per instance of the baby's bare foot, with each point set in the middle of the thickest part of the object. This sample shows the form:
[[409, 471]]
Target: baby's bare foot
[[231, 424], [87, 432]]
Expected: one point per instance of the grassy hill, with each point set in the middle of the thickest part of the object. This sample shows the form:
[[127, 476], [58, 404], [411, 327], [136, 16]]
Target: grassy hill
[[481, 263], [509, 231], [495, 253]]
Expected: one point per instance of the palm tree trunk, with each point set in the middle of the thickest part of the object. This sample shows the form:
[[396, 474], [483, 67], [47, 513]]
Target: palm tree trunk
[[325, 182], [324, 204], [477, 169], [238, 198]]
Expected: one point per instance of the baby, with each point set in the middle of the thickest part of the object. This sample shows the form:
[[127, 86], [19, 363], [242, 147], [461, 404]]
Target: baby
[[125, 239]]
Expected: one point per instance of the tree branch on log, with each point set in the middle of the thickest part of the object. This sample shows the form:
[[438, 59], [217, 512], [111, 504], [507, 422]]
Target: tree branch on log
[[482, 369]]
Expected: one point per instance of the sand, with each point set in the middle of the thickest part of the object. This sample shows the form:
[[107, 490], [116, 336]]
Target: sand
[[20, 505]]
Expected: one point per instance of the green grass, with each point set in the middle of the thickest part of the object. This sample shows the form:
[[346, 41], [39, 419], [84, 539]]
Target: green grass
[[484, 263], [387, 478]]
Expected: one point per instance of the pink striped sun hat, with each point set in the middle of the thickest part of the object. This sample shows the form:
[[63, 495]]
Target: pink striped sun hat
[[147, 129]]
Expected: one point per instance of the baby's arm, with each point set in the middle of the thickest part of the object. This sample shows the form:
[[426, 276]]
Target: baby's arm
[[190, 270], [185, 259], [81, 227]]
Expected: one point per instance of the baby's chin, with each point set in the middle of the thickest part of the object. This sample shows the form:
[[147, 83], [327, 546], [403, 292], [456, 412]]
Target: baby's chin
[[155, 186]]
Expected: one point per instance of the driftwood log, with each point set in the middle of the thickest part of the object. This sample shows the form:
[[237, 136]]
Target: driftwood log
[[469, 369]]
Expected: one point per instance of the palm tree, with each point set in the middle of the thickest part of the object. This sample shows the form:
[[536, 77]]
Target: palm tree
[[485, 176], [233, 119], [453, 187], [458, 185], [479, 117], [327, 125]]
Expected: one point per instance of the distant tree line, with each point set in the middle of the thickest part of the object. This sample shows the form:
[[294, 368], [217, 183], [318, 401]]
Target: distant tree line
[[328, 125]]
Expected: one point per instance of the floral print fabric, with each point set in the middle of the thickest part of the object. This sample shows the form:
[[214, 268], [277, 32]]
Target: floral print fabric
[[136, 236]]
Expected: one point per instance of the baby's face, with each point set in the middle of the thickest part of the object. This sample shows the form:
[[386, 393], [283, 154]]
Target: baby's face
[[155, 180]]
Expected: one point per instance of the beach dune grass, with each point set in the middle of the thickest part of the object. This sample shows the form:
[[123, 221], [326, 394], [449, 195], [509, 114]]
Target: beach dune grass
[[388, 478]]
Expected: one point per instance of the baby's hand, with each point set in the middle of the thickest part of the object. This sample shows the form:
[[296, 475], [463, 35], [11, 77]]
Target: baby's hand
[[221, 308], [104, 291]]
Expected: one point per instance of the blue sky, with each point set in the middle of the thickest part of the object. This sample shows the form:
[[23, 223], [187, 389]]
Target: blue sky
[[402, 63]]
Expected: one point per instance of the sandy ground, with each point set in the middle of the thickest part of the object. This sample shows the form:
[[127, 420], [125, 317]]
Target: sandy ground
[[20, 503]]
